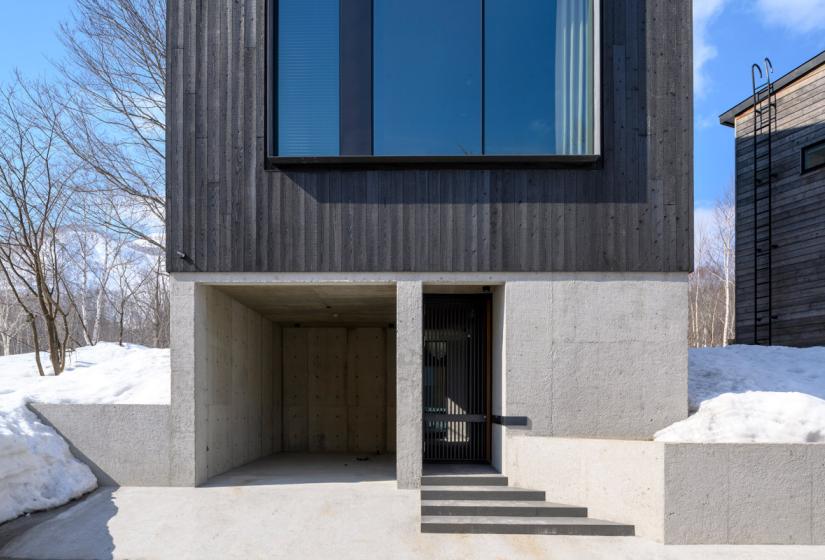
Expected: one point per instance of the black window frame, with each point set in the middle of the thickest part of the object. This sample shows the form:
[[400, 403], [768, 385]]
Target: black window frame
[[803, 169], [272, 161]]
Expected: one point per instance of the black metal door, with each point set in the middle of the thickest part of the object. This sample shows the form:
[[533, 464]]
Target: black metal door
[[456, 389]]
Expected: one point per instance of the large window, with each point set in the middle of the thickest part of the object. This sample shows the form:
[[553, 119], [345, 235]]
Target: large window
[[433, 78]]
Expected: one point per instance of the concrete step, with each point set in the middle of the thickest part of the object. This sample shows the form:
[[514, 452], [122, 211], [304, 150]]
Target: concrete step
[[505, 508], [496, 493], [524, 525], [464, 480]]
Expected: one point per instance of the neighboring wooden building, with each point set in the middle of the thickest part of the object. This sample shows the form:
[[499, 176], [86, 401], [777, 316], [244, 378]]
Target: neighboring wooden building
[[783, 173]]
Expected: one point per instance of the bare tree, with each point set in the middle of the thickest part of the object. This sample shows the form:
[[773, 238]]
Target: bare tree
[[155, 302], [712, 283], [11, 322], [35, 183], [723, 256], [130, 278], [113, 116], [93, 253]]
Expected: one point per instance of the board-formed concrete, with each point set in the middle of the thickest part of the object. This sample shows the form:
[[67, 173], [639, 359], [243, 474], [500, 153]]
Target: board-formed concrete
[[596, 356], [616, 480], [187, 328], [237, 381], [745, 493], [682, 493], [336, 387], [409, 333], [223, 384], [577, 354], [123, 444]]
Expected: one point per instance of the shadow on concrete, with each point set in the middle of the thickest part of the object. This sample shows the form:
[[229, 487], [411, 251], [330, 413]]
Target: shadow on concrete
[[79, 529], [309, 468], [103, 478]]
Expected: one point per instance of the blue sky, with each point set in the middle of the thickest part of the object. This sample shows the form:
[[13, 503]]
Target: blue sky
[[729, 36], [28, 35]]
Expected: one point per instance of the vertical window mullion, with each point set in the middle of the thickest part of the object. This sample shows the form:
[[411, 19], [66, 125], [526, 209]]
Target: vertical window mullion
[[356, 78]]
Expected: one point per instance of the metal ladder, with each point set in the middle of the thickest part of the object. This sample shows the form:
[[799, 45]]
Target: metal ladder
[[764, 123]]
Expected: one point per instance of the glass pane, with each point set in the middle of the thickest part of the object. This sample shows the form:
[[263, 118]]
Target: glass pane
[[519, 76], [308, 106], [813, 156], [427, 77], [538, 68]]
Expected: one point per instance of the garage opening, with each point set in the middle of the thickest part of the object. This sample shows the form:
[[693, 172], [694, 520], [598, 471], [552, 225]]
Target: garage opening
[[302, 370]]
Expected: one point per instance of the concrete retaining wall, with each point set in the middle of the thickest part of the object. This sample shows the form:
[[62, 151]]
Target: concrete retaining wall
[[744, 493], [682, 493], [123, 444]]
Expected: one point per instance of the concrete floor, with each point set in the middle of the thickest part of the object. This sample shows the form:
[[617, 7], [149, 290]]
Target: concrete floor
[[298, 506]]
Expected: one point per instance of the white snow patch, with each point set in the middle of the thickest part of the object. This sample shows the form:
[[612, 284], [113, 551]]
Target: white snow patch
[[753, 394], [37, 470]]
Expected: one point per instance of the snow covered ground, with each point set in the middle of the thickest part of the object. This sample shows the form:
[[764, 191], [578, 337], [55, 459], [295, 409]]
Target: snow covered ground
[[745, 394], [37, 471]]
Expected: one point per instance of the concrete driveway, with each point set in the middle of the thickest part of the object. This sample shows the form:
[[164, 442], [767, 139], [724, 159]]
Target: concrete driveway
[[300, 507]]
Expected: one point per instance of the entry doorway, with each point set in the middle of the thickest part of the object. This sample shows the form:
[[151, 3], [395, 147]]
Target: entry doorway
[[457, 378]]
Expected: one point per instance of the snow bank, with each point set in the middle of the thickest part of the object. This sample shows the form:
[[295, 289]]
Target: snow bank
[[37, 470], [102, 374], [753, 394]]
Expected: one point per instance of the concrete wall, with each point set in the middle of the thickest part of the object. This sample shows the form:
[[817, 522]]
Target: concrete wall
[[187, 338], [744, 493], [578, 354], [596, 355], [682, 493], [409, 325], [224, 387], [336, 386], [123, 444], [616, 480], [239, 379]]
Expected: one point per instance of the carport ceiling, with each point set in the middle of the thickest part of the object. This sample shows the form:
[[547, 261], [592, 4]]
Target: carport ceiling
[[328, 304]]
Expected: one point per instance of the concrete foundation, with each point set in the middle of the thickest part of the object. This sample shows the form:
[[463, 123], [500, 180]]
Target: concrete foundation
[[596, 355], [578, 355]]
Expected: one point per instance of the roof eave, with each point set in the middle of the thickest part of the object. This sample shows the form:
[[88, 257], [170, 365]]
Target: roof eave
[[728, 118]]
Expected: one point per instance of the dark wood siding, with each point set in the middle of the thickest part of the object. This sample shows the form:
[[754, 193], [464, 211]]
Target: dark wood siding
[[632, 211], [797, 219]]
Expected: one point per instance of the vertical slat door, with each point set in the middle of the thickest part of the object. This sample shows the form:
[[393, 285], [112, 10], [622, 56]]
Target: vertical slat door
[[455, 403]]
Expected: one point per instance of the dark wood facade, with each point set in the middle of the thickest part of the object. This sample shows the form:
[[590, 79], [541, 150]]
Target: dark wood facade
[[797, 219], [630, 211]]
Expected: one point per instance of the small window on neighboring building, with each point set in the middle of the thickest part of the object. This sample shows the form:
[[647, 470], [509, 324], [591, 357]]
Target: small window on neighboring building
[[813, 156]]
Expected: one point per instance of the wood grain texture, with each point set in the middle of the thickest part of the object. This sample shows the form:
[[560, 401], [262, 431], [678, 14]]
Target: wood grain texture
[[797, 219], [632, 211]]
